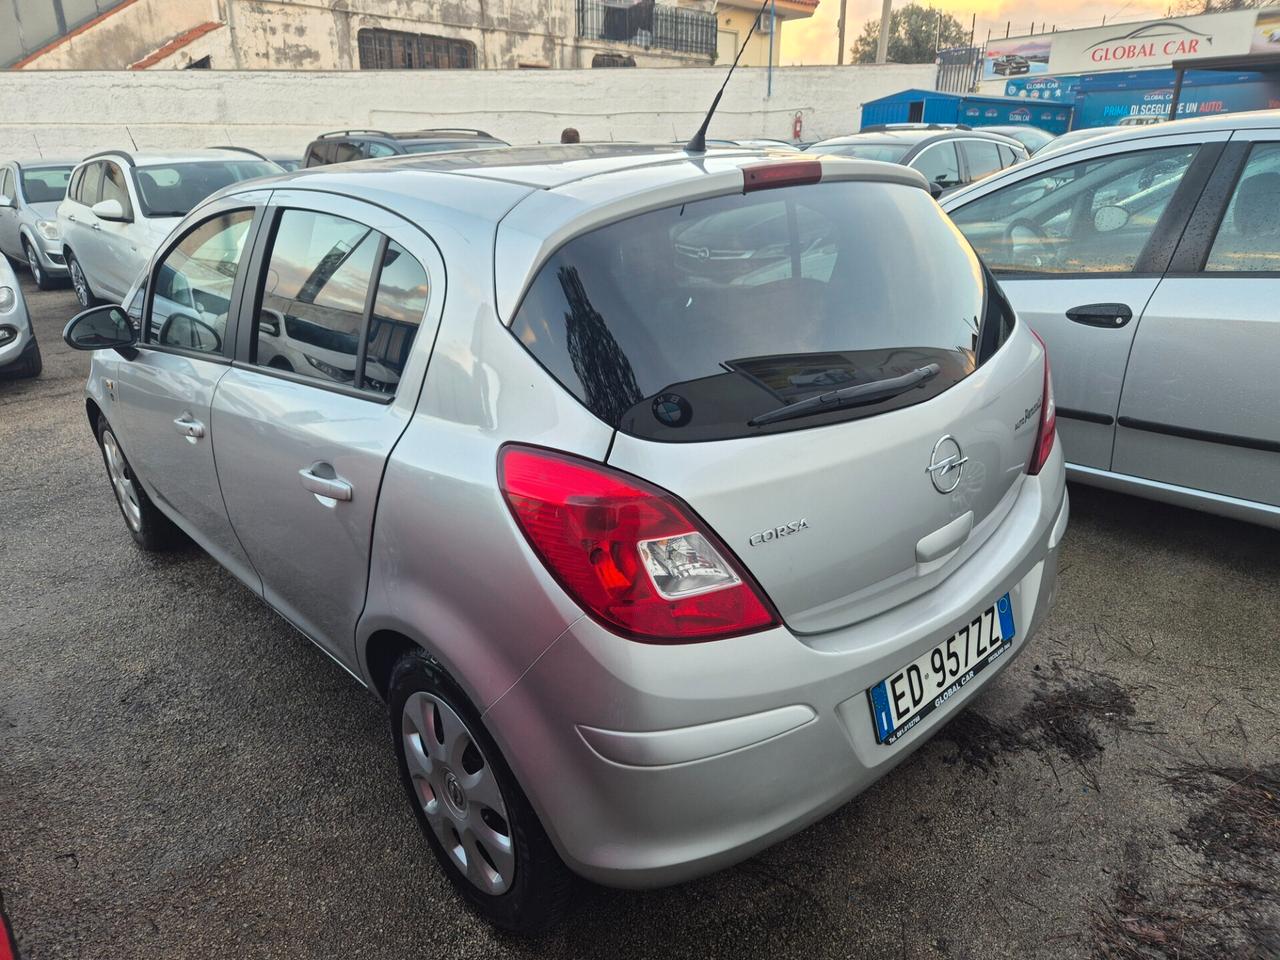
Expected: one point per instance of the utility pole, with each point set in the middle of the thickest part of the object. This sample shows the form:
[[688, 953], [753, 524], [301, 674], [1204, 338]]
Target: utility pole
[[886, 18], [844, 13]]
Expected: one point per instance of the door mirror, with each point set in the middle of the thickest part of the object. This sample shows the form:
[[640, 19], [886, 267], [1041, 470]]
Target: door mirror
[[99, 328], [5, 201], [109, 210], [180, 330], [269, 323], [935, 189], [1110, 219]]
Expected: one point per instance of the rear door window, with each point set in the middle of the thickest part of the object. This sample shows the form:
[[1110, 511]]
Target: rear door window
[[690, 322], [91, 184], [939, 164], [1248, 238], [983, 157]]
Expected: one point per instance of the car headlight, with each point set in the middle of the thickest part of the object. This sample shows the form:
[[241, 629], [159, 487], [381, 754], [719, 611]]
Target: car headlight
[[48, 229], [8, 299], [329, 370]]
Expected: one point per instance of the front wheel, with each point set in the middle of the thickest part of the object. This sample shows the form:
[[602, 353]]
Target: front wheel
[[476, 818], [38, 272], [150, 528], [80, 283]]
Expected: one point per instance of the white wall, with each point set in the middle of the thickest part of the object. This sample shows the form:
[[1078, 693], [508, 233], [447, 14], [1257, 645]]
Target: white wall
[[68, 114]]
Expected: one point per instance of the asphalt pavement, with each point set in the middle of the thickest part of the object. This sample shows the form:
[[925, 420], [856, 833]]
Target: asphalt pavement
[[181, 775]]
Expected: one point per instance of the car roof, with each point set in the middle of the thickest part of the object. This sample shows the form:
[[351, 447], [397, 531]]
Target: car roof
[[911, 136], [156, 158], [423, 135], [43, 162], [1247, 120]]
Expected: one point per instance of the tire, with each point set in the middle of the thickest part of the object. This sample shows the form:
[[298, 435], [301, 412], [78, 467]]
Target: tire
[[30, 364], [526, 895], [150, 529], [80, 283], [38, 272]]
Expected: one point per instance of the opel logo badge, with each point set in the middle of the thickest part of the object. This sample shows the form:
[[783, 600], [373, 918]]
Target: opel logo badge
[[946, 465]]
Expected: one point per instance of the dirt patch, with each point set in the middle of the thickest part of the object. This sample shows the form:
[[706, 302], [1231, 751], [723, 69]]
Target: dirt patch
[[1070, 715], [1230, 905]]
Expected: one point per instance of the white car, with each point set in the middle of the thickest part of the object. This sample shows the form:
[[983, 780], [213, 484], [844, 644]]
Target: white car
[[119, 206]]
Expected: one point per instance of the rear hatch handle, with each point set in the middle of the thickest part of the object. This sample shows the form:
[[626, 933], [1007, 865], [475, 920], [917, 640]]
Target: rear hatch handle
[[1110, 315]]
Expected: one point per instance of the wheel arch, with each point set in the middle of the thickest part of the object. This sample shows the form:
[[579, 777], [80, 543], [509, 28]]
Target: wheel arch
[[94, 412]]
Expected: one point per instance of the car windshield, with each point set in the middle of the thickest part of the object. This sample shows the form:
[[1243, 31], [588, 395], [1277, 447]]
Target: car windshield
[[689, 322], [888, 152], [45, 184], [172, 190]]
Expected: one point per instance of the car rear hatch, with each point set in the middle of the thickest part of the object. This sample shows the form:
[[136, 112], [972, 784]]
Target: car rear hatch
[[815, 370]]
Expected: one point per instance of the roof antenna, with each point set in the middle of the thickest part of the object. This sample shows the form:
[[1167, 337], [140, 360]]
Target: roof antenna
[[698, 144]]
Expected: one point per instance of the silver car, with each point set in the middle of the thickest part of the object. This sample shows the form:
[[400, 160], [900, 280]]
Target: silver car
[[665, 500], [1149, 260], [29, 196], [19, 351]]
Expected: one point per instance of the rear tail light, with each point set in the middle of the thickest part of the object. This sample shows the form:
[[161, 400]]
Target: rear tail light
[[634, 556], [1048, 419]]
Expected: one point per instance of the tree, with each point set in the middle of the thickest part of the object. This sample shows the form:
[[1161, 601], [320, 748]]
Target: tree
[[916, 34]]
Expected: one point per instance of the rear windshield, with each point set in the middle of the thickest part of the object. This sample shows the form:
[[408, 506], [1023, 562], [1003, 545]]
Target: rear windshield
[[886, 152], [45, 184], [691, 322], [174, 189]]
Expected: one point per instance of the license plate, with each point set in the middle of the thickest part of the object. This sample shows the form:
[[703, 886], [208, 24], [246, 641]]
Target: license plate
[[903, 699]]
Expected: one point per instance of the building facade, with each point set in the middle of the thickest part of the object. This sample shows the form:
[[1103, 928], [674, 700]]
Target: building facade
[[356, 34], [733, 21]]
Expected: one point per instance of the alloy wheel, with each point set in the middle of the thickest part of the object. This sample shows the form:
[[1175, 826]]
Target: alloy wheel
[[80, 283], [456, 788], [122, 481], [33, 264]]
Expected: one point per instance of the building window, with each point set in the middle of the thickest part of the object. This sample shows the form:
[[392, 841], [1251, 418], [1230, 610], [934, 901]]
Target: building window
[[399, 50], [612, 60]]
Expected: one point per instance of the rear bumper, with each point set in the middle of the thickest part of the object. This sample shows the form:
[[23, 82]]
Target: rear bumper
[[650, 765]]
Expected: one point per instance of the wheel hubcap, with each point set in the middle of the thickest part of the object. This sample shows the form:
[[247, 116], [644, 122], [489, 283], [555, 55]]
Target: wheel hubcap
[[122, 481], [457, 791], [78, 281]]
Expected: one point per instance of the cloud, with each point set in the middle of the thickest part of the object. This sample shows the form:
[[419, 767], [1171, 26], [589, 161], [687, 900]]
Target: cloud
[[813, 41]]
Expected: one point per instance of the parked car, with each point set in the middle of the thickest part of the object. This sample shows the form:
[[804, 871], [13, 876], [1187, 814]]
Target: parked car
[[30, 192], [647, 579], [1072, 137], [760, 143], [283, 161], [19, 351], [948, 156], [1144, 120], [1010, 65], [341, 146], [1033, 138], [1148, 259], [120, 205]]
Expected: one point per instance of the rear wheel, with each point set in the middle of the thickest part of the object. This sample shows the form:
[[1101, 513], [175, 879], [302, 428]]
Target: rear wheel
[[38, 273], [150, 528], [80, 283], [476, 818]]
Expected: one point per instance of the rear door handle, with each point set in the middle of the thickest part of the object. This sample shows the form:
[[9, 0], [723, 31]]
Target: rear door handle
[[1111, 315], [97, 226], [333, 487], [72, 219], [189, 427]]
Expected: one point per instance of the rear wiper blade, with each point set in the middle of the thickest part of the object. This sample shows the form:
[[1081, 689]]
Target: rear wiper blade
[[850, 396]]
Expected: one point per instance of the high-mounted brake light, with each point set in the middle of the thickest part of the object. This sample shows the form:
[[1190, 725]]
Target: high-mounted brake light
[[1048, 419], [786, 173], [632, 555]]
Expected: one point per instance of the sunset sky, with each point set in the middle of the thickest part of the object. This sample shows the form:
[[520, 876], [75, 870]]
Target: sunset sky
[[814, 40]]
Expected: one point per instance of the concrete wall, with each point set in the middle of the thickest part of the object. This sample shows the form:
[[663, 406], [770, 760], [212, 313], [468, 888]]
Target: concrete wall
[[57, 114]]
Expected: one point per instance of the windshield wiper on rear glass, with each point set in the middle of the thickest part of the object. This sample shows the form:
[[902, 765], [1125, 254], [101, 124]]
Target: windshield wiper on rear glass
[[849, 396]]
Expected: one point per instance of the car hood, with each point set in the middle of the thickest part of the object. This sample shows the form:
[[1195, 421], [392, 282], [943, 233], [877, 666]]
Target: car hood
[[45, 211]]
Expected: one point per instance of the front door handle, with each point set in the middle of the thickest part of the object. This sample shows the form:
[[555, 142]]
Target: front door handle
[[189, 427], [97, 226], [331, 486], [1111, 315]]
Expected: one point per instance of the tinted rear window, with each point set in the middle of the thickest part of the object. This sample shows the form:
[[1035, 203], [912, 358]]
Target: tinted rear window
[[886, 152], [685, 323]]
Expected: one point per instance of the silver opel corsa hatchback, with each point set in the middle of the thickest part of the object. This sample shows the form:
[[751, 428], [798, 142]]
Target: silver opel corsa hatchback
[[668, 500]]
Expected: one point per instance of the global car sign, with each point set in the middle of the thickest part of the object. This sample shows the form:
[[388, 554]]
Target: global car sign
[[1021, 115]]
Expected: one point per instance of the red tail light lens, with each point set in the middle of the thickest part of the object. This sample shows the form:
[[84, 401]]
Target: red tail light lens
[[632, 555], [784, 173], [1048, 419]]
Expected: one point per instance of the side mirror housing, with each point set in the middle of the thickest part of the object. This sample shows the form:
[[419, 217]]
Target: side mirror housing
[[100, 328], [935, 189], [109, 210]]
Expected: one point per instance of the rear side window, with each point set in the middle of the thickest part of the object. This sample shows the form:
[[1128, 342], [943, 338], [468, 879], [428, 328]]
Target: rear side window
[[1249, 236], [315, 307], [377, 149], [939, 164], [689, 322], [320, 154], [983, 157]]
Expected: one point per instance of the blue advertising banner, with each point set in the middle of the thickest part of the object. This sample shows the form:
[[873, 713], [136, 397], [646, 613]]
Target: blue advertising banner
[[1058, 89], [1122, 98]]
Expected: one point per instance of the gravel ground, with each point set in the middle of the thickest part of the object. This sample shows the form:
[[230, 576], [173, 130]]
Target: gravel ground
[[182, 776]]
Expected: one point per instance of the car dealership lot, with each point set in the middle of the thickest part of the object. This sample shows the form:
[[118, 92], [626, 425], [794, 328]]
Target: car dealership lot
[[182, 775]]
